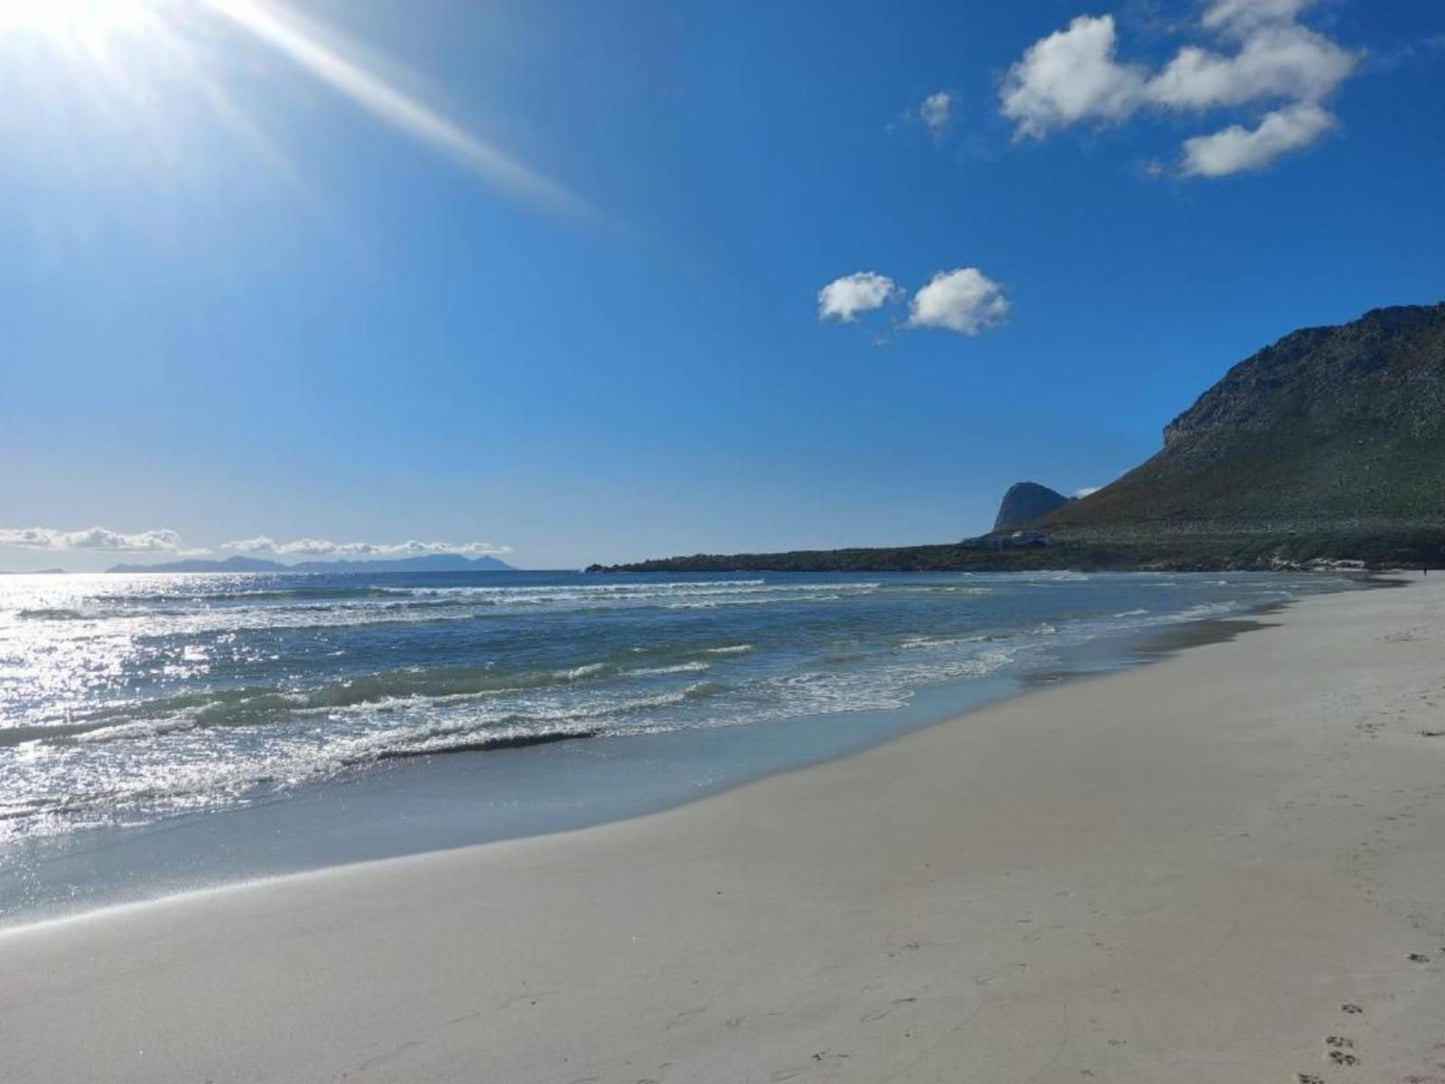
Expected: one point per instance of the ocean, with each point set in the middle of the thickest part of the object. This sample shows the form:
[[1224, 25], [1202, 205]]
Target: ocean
[[164, 731]]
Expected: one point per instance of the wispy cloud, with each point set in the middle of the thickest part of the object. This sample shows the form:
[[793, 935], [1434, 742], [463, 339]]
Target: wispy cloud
[[1424, 50], [320, 547], [329, 57], [1259, 54], [1245, 15], [936, 112], [93, 538]]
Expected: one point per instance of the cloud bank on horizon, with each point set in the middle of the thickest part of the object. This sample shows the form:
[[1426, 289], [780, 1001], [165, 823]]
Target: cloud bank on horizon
[[168, 542], [320, 547], [93, 538], [1260, 55]]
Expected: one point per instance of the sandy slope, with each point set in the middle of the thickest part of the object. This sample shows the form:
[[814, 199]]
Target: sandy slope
[[1182, 873]]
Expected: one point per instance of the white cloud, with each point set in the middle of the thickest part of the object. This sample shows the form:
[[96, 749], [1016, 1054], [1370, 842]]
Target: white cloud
[[320, 547], [1274, 63], [258, 544], [103, 539], [1071, 76], [863, 291], [93, 538], [1238, 149], [935, 112], [1241, 16], [1084, 491], [963, 300]]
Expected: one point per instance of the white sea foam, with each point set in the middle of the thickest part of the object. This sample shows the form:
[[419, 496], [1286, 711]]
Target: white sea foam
[[206, 692], [576, 673], [658, 671], [915, 643]]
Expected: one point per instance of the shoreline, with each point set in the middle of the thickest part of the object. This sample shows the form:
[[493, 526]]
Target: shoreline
[[404, 806], [1181, 871]]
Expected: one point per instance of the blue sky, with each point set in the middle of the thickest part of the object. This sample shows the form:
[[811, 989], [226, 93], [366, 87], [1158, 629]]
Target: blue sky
[[546, 276]]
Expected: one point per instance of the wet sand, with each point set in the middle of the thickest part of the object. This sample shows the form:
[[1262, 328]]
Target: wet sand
[[1226, 866]]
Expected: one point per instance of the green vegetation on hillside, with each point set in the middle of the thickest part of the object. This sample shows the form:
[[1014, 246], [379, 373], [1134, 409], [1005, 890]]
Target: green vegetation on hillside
[[1330, 431], [1199, 553], [1328, 446]]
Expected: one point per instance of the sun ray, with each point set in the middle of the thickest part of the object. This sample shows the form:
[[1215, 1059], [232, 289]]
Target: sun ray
[[125, 51], [323, 55]]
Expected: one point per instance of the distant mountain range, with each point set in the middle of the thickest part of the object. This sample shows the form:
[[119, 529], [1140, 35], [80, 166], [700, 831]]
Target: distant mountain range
[[434, 562], [1327, 446]]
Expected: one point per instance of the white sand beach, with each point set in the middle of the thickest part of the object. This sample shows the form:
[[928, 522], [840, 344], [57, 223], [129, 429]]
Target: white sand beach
[[1227, 866]]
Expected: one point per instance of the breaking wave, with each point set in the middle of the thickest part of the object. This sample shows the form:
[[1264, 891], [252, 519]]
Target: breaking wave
[[130, 699]]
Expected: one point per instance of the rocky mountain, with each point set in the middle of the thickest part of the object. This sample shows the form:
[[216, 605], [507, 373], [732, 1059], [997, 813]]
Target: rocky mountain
[[1326, 447], [1331, 430], [433, 562], [1025, 502]]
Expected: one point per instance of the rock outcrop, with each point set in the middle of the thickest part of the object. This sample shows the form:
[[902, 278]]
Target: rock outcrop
[[1025, 502]]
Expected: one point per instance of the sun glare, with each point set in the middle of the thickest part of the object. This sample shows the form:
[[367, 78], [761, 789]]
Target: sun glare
[[83, 18], [127, 79]]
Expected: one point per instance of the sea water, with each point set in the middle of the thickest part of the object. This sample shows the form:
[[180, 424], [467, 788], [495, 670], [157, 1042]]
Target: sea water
[[163, 730]]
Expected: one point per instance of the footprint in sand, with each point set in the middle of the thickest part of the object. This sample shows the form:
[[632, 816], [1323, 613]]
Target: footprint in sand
[[1341, 1042], [879, 1014], [1353, 1010], [1308, 1078], [1418, 958], [684, 1016], [1340, 1057]]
